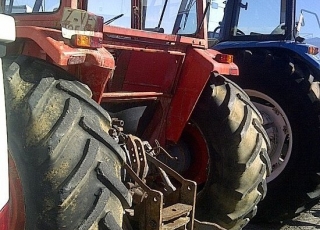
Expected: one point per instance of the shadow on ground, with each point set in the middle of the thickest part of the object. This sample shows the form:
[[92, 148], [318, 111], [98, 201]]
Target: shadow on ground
[[309, 220]]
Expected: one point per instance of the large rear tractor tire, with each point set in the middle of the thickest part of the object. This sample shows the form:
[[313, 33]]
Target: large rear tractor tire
[[70, 168], [238, 160], [287, 96]]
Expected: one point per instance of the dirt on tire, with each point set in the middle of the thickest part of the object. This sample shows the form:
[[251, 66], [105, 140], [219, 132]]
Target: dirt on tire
[[69, 166], [238, 155]]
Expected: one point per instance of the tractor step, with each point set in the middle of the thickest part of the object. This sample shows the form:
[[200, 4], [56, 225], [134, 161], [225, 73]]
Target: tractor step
[[175, 211], [160, 211], [176, 224]]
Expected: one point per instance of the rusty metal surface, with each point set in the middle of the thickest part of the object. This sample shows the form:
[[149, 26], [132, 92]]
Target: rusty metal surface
[[175, 211], [169, 207], [137, 156], [132, 96]]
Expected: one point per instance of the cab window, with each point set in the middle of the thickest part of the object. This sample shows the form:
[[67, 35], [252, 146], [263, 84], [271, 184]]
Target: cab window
[[260, 17], [30, 6], [164, 16]]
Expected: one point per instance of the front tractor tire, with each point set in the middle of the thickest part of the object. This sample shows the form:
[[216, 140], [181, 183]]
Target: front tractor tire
[[238, 160], [70, 168]]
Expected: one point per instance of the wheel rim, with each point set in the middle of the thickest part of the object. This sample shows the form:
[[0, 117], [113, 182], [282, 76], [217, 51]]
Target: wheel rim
[[192, 150], [278, 128]]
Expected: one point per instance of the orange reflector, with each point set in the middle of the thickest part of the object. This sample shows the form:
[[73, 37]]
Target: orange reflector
[[80, 40], [83, 40], [313, 50], [224, 58]]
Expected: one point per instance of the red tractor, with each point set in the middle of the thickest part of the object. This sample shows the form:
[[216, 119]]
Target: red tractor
[[73, 165]]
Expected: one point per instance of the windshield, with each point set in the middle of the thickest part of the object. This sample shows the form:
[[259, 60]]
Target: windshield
[[30, 6], [260, 17], [165, 16], [256, 17]]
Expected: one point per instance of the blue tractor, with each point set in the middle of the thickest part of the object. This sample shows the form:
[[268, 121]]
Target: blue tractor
[[270, 41]]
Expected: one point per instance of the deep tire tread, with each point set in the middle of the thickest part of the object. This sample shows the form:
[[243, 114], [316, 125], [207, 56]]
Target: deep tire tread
[[241, 154], [61, 131], [97, 211], [107, 177], [89, 126], [79, 173], [80, 95], [55, 154]]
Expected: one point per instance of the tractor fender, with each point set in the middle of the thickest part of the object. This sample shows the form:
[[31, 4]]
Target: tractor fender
[[196, 71], [299, 48], [93, 62]]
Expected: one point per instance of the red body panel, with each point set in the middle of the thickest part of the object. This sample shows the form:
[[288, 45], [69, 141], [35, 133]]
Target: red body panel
[[152, 72]]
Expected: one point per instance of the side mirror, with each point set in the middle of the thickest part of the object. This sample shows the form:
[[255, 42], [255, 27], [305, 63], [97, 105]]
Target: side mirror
[[300, 23]]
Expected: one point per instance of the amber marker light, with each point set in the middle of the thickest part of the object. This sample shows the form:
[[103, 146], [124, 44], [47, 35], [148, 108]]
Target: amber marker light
[[224, 58], [313, 50], [86, 41]]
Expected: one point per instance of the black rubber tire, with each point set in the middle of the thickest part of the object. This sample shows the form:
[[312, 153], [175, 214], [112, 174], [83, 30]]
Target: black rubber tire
[[238, 147], [297, 188], [69, 166]]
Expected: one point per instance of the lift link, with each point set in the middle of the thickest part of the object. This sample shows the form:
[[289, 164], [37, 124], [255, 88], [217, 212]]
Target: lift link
[[168, 209], [166, 205], [177, 210]]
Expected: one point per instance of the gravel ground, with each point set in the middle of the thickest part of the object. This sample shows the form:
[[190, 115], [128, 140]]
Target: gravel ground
[[308, 220]]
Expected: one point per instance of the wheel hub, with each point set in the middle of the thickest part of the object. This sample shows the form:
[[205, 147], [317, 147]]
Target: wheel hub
[[192, 154], [278, 128]]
